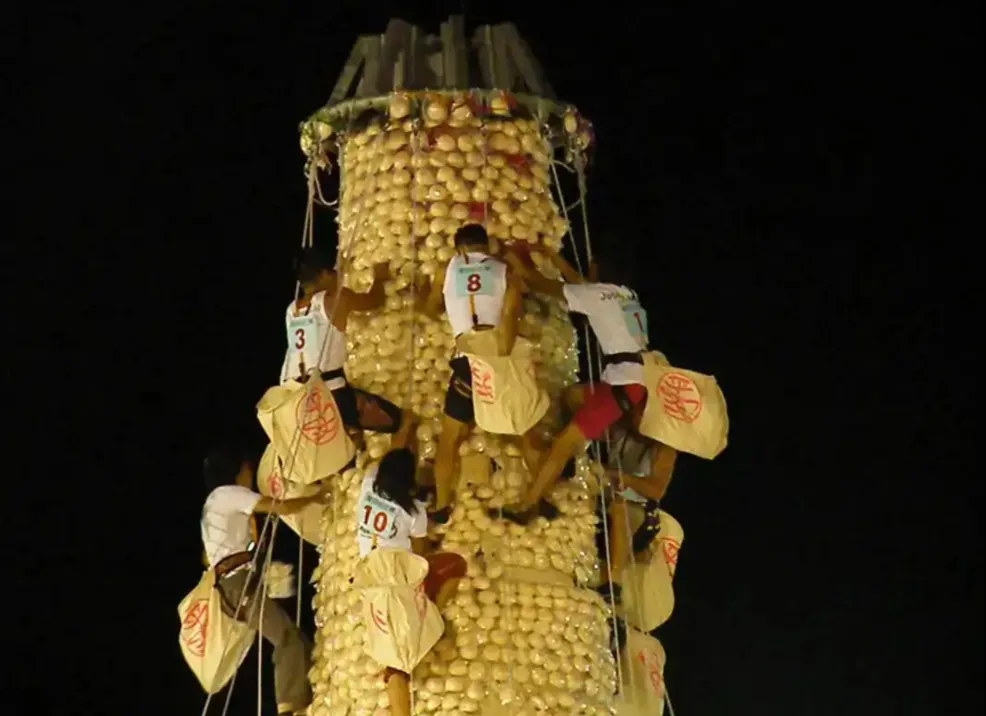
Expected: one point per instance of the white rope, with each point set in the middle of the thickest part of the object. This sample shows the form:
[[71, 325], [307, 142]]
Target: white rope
[[667, 698], [592, 382]]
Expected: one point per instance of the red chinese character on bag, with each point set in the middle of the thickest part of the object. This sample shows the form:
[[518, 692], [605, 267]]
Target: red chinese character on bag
[[653, 667], [379, 619], [482, 384], [317, 417], [670, 549], [193, 626], [275, 485], [680, 397]]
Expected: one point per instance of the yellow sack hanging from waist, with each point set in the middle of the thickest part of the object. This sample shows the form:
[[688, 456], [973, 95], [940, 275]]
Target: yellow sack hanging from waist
[[684, 409], [307, 523], [648, 590], [642, 668], [402, 624], [506, 398], [303, 423], [213, 643]]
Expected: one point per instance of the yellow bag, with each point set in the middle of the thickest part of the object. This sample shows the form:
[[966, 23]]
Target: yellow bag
[[307, 524], [304, 425], [642, 667], [213, 643], [402, 624], [684, 409], [505, 395], [648, 592]]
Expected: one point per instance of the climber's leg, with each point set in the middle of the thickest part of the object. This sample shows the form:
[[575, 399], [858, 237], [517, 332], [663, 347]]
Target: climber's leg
[[399, 692], [574, 396], [619, 541], [292, 649], [598, 411], [569, 441], [292, 658], [531, 448], [370, 411], [445, 569], [455, 426]]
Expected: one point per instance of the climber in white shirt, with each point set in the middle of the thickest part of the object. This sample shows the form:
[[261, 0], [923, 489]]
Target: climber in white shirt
[[620, 325], [316, 329], [229, 537], [389, 516], [480, 292]]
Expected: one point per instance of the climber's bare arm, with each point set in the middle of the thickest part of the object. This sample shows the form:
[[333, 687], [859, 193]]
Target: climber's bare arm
[[435, 299], [568, 273], [510, 313], [350, 300]]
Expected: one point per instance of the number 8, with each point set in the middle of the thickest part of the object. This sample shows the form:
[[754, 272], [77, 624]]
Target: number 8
[[473, 283]]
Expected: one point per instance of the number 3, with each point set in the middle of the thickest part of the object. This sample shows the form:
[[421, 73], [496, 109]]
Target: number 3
[[301, 338], [473, 283]]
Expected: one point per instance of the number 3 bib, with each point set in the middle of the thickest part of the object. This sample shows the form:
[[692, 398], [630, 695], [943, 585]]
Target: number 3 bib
[[303, 340], [473, 280]]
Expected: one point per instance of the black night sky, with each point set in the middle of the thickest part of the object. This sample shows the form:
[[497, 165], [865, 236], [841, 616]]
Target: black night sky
[[800, 188]]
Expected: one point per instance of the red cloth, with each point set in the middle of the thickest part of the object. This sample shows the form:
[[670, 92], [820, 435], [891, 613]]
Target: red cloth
[[600, 409]]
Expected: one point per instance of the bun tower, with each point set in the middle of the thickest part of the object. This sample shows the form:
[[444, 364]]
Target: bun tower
[[427, 133]]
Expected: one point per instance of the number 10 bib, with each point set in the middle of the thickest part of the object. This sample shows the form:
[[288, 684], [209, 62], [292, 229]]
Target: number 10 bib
[[473, 280], [377, 517]]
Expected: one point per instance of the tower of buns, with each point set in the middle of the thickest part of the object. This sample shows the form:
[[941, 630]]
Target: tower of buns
[[414, 164]]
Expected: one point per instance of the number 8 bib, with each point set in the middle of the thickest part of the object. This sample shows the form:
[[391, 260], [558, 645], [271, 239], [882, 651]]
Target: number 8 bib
[[473, 280]]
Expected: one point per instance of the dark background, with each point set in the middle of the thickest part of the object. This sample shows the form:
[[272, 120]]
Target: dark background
[[800, 189]]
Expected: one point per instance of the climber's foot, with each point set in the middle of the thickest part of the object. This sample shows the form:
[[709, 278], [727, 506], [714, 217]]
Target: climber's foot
[[611, 592], [548, 510], [441, 517], [568, 472], [517, 514]]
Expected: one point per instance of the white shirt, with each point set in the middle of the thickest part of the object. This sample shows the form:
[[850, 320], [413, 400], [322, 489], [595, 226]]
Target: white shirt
[[382, 523], [618, 321], [226, 521], [481, 277], [314, 341]]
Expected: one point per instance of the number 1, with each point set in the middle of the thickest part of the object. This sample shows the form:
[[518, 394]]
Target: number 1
[[639, 323]]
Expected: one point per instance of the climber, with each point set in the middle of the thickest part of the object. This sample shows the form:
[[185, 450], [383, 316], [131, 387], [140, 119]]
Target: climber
[[639, 470], [620, 325], [229, 536], [388, 515], [480, 293], [316, 326]]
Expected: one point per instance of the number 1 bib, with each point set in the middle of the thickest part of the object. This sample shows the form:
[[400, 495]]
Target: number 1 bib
[[303, 340], [636, 320], [473, 280], [377, 517]]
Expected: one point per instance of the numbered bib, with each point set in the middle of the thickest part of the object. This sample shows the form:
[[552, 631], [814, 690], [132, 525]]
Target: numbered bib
[[303, 340], [636, 320], [473, 280], [377, 517]]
